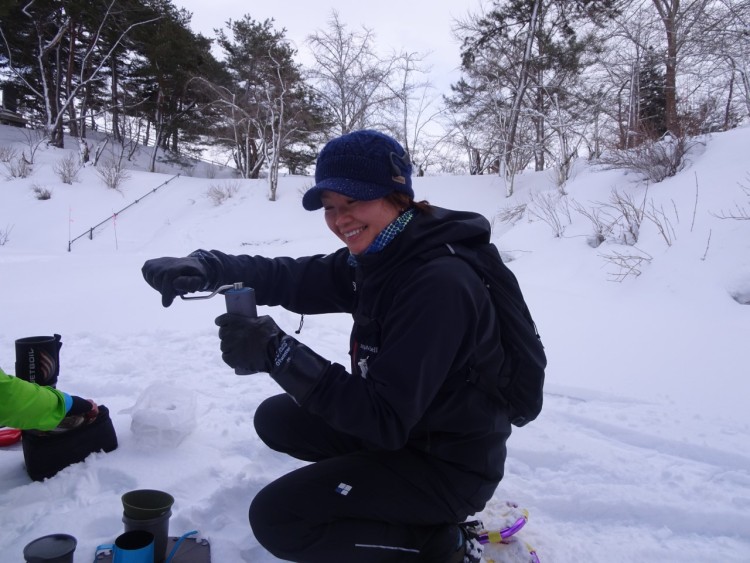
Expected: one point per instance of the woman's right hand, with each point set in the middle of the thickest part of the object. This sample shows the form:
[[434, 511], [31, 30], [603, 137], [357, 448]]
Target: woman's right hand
[[175, 276]]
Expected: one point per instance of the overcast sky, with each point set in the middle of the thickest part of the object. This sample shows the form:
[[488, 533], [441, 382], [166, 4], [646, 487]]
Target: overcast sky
[[413, 25]]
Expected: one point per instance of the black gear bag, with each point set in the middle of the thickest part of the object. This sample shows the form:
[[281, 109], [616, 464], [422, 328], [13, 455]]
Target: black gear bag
[[46, 453]]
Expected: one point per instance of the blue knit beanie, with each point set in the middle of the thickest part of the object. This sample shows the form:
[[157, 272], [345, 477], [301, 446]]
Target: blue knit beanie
[[363, 165]]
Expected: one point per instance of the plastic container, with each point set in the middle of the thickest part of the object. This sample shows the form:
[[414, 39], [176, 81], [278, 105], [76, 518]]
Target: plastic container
[[144, 504], [54, 548]]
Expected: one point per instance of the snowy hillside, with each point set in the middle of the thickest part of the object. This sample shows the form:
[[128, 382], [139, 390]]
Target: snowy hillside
[[642, 452]]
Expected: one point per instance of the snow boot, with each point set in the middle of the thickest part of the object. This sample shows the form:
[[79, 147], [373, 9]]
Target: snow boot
[[471, 550]]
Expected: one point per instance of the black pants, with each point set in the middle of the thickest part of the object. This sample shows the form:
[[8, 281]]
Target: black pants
[[352, 505]]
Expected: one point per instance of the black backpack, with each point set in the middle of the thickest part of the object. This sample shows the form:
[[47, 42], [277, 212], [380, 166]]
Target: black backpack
[[520, 381]]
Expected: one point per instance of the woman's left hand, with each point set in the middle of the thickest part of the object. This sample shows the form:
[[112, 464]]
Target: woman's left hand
[[247, 343]]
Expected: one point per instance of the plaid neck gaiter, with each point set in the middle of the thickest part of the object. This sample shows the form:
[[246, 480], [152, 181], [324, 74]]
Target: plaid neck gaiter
[[386, 235]]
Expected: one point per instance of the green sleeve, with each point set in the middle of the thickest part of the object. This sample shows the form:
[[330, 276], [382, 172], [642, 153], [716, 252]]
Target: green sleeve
[[26, 405]]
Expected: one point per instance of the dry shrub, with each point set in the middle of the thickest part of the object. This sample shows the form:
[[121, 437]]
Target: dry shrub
[[218, 194], [655, 160], [67, 169], [40, 192]]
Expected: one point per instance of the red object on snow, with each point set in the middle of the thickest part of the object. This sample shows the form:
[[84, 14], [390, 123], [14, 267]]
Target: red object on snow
[[9, 436]]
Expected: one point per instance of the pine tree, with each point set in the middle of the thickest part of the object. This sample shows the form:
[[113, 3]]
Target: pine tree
[[269, 113], [652, 96], [522, 59]]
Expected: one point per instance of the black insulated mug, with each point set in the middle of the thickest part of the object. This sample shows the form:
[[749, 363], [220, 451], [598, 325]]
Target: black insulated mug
[[38, 359]]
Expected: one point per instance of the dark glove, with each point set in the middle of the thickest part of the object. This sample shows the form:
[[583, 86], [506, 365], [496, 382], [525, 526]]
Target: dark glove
[[80, 406], [258, 344], [176, 276], [248, 344]]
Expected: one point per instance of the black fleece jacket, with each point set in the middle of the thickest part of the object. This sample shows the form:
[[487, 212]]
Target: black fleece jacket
[[418, 327]]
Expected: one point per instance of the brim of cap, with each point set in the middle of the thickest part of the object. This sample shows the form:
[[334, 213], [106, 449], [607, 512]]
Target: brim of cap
[[354, 189]]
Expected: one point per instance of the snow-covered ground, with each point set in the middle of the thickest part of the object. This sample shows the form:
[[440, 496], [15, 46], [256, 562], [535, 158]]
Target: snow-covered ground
[[642, 452]]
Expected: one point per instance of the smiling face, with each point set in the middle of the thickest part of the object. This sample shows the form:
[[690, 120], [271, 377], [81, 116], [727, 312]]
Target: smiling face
[[357, 222]]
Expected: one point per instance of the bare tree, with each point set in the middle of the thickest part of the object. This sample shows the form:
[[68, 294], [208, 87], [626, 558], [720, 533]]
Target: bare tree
[[266, 111], [681, 18], [729, 43], [673, 66], [618, 72], [282, 125], [239, 132], [519, 93], [351, 80], [479, 33], [521, 60], [416, 111]]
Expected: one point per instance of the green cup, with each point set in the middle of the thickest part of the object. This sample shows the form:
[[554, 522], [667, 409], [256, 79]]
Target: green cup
[[145, 504], [149, 510]]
